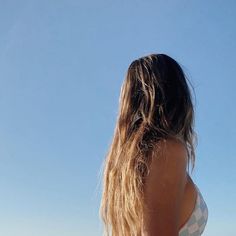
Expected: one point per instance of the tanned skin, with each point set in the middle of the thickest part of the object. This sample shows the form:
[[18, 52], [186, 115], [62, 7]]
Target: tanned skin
[[164, 190]]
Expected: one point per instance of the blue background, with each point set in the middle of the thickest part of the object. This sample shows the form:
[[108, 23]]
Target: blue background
[[62, 64]]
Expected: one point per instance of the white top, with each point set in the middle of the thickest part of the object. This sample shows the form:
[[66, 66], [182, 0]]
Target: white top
[[198, 219]]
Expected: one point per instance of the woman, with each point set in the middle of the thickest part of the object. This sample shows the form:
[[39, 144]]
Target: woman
[[147, 188]]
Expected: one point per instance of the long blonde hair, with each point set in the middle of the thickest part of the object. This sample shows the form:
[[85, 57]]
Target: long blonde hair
[[155, 103]]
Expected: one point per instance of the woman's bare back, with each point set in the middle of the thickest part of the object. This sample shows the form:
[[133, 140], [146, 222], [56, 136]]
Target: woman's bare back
[[166, 187]]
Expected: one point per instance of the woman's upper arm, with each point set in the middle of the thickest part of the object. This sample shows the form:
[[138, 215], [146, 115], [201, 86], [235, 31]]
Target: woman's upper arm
[[164, 189]]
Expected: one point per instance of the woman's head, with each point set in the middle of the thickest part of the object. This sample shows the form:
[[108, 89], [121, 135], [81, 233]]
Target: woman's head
[[155, 93], [155, 104]]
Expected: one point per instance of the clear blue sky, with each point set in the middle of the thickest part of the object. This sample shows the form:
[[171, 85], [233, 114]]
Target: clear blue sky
[[61, 67]]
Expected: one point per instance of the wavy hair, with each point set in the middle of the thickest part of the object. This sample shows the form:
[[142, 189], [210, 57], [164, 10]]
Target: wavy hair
[[155, 103]]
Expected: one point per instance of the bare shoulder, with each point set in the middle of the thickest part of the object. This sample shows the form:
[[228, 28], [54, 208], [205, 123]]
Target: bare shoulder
[[169, 159], [164, 187], [171, 146]]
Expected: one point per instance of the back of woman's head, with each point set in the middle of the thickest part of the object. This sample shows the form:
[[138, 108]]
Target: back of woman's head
[[155, 94], [155, 104]]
